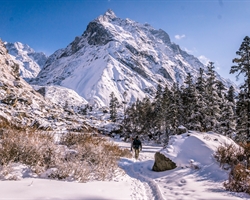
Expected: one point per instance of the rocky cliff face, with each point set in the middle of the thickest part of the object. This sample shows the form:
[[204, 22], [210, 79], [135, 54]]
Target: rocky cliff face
[[29, 61], [118, 55]]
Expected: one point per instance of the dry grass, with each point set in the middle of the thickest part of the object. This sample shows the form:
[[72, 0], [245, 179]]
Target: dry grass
[[78, 156], [98, 156], [30, 148]]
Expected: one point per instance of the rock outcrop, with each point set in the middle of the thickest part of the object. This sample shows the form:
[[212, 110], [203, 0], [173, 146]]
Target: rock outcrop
[[162, 163]]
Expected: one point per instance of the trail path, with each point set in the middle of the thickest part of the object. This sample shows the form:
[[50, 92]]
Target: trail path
[[143, 186], [138, 182], [181, 183]]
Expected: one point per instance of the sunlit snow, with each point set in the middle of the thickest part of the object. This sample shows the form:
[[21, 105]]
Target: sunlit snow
[[139, 181]]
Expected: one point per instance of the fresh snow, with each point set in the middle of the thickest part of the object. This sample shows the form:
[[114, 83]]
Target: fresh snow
[[62, 96], [198, 176]]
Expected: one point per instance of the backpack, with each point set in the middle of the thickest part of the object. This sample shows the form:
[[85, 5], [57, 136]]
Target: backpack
[[136, 144]]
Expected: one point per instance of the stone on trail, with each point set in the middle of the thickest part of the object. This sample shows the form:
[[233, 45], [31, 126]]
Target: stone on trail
[[162, 163]]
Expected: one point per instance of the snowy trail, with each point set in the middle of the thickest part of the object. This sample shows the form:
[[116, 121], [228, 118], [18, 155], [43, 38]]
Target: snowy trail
[[182, 183], [138, 181], [144, 186]]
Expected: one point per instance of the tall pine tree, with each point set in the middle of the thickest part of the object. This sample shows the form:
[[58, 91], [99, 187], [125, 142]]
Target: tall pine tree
[[191, 109], [212, 110], [242, 66], [201, 102], [158, 109]]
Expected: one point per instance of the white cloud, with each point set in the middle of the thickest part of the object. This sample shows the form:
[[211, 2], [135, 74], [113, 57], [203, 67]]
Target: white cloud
[[179, 37], [217, 65], [204, 59], [189, 51]]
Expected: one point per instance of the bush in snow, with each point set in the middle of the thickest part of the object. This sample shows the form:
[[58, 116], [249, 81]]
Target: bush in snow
[[246, 147], [27, 147], [78, 156], [237, 159], [229, 154], [96, 156], [239, 179]]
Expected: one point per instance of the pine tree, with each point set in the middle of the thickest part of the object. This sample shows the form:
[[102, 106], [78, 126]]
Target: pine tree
[[226, 124], [139, 116], [113, 106], [212, 98], [174, 110], [227, 120], [201, 82], [231, 94], [191, 109], [166, 102], [128, 121], [201, 101], [124, 102], [136, 117], [147, 117], [243, 67], [158, 113], [220, 89], [241, 117], [188, 99]]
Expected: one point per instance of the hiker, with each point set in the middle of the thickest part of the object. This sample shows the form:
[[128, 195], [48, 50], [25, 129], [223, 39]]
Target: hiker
[[136, 145]]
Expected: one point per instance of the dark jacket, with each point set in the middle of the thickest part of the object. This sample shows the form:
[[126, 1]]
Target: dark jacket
[[136, 144]]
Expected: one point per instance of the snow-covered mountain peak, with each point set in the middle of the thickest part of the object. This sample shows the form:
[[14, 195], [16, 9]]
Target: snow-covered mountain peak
[[118, 55], [108, 15], [30, 62], [24, 47]]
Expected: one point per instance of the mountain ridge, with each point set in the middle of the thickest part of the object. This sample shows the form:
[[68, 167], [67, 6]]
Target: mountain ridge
[[29, 61], [118, 55]]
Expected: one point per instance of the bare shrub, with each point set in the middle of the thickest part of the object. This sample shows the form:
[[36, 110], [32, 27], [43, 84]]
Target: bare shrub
[[27, 147], [71, 171], [228, 154], [98, 155], [71, 139], [246, 147], [239, 179], [78, 156]]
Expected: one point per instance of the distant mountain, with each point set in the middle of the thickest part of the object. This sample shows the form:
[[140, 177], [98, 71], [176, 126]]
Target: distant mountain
[[30, 62], [51, 108], [118, 55]]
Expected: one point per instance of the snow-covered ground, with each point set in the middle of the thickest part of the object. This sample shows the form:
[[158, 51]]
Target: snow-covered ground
[[204, 182]]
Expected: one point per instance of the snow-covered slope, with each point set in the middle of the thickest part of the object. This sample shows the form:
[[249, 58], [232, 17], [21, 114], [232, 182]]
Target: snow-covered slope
[[62, 96], [29, 61], [198, 149], [118, 55]]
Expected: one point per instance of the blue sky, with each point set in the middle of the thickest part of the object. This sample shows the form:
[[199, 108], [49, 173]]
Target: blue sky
[[209, 29]]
